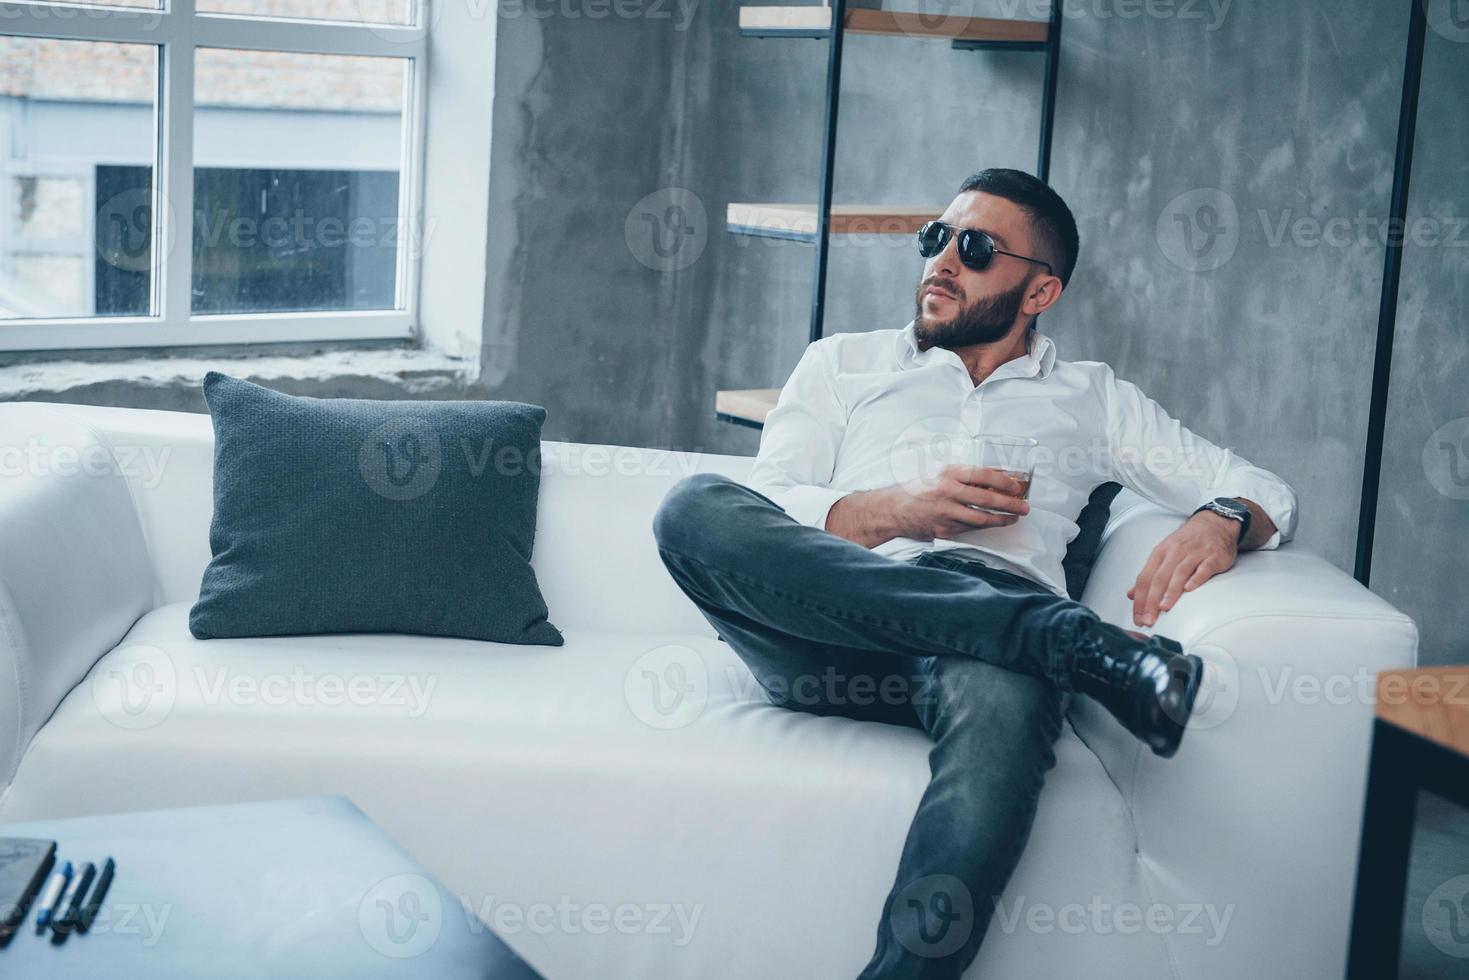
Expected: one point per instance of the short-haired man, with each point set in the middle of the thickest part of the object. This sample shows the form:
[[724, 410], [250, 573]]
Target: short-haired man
[[845, 559]]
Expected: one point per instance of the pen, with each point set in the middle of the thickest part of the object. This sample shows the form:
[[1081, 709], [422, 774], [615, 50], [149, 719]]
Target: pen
[[99, 892], [49, 897], [71, 901]]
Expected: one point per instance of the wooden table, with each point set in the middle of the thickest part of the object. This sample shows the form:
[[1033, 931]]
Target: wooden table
[[1420, 741]]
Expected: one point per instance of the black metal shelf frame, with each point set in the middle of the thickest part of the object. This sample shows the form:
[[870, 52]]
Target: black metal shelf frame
[[1387, 312], [835, 35]]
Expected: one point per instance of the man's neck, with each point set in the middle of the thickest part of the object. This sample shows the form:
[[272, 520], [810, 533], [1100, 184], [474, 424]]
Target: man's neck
[[983, 359]]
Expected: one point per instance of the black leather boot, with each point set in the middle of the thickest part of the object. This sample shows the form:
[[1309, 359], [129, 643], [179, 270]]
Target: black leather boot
[[1147, 682]]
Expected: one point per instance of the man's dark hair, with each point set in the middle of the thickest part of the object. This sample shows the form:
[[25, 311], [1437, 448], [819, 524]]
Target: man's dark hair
[[1055, 227]]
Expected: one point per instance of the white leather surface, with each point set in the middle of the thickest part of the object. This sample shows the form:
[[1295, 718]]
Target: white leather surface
[[1261, 808], [531, 779], [73, 569]]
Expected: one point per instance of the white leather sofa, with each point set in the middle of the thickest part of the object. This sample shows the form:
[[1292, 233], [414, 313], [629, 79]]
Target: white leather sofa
[[611, 826]]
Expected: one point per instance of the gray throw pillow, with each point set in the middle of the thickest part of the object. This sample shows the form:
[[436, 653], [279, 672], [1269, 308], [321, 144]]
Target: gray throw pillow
[[344, 515]]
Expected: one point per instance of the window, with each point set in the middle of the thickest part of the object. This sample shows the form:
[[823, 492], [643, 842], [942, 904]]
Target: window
[[212, 171]]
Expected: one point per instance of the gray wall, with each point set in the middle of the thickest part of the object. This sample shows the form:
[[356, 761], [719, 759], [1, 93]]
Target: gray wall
[[1421, 549], [626, 353]]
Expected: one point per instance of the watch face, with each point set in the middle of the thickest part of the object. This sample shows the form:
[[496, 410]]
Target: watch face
[[1233, 507]]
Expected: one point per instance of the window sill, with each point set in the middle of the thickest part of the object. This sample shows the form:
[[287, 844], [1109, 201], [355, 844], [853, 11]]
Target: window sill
[[411, 371]]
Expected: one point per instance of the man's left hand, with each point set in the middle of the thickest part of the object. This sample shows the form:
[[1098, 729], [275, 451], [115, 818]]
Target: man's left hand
[[1204, 546]]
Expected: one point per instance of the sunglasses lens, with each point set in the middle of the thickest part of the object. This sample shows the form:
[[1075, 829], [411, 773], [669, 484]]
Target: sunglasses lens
[[932, 238], [976, 249]]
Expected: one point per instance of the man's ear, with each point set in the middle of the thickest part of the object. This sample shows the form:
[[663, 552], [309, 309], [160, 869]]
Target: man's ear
[[1041, 294]]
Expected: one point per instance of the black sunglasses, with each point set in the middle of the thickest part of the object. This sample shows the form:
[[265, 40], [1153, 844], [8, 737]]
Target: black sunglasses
[[976, 248]]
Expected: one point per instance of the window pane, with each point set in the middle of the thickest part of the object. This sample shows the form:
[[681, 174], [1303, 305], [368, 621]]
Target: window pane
[[351, 11], [71, 242], [296, 181]]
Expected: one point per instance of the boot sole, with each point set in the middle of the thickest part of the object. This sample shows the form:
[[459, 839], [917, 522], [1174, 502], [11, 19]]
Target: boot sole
[[1190, 695]]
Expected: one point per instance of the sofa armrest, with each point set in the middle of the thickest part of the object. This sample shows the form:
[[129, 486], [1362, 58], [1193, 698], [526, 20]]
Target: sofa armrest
[[1258, 816], [74, 570]]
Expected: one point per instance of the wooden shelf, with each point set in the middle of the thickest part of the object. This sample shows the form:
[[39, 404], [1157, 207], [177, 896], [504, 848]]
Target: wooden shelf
[[1420, 701], [797, 222], [746, 407], [815, 21]]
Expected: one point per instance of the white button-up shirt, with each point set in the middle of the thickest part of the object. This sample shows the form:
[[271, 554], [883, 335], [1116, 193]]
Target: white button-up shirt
[[869, 410]]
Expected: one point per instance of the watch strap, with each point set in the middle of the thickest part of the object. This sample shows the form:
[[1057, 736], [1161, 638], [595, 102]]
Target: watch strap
[[1233, 511]]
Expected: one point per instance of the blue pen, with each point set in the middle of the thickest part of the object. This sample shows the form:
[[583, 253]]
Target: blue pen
[[69, 912], [47, 904]]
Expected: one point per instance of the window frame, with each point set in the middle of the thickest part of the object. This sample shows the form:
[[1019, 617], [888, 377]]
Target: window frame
[[176, 31]]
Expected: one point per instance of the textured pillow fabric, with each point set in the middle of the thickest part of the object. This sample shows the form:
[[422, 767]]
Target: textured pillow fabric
[[357, 516]]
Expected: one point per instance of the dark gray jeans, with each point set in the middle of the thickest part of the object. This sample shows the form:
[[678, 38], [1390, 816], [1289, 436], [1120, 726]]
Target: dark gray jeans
[[972, 655]]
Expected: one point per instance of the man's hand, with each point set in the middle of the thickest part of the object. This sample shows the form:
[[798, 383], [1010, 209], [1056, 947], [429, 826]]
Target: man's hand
[[1204, 546], [940, 510]]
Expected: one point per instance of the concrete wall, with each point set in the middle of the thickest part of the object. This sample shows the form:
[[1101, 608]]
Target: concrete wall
[[625, 352], [1421, 549]]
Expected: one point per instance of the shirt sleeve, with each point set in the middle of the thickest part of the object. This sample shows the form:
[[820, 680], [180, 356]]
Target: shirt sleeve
[[798, 447], [1154, 455]]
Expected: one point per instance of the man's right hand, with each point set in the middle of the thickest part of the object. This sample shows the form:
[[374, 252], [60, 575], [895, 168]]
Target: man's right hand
[[942, 509]]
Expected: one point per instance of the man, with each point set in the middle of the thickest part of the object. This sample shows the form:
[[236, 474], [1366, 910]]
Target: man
[[866, 555]]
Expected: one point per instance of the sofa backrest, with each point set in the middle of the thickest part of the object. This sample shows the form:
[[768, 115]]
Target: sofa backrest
[[594, 555], [74, 572], [594, 551]]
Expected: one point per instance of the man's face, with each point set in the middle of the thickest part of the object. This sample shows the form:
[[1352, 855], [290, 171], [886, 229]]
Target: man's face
[[958, 307]]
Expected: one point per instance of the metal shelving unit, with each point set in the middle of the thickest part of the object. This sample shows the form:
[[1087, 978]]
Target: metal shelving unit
[[816, 223]]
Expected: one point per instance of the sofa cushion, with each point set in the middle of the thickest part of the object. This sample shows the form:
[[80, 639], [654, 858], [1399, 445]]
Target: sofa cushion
[[729, 837], [354, 516]]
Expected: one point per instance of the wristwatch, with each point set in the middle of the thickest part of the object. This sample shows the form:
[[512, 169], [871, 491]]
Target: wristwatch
[[1232, 509]]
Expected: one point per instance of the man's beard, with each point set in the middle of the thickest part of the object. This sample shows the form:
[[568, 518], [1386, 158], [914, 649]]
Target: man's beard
[[982, 322]]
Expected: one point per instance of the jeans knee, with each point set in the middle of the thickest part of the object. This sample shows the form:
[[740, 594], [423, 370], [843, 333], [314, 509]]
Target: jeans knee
[[982, 702], [687, 511]]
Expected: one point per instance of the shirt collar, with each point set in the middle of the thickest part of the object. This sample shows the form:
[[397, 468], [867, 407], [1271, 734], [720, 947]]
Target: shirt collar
[[1040, 359]]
